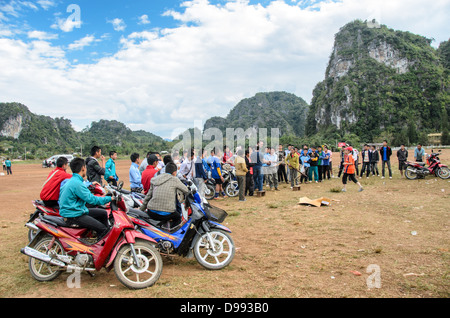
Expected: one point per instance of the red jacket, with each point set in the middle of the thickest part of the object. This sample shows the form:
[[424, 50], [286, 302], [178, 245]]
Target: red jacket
[[147, 175], [50, 189]]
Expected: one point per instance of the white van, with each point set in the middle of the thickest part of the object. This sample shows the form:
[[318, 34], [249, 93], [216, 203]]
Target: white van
[[51, 162]]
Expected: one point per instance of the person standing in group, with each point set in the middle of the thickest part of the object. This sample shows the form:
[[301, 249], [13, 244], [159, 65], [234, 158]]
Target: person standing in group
[[187, 168], [349, 169], [385, 154], [134, 173], [249, 184], [282, 176], [366, 156], [257, 159], [355, 154], [374, 160], [341, 165], [8, 166], [305, 165], [241, 171], [94, 170], [149, 172], [52, 186], [272, 175], [200, 175], [216, 173], [293, 163], [110, 169], [402, 156], [320, 162], [419, 153], [314, 160], [326, 163]]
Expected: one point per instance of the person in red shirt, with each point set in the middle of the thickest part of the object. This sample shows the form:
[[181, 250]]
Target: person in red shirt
[[50, 190], [149, 172], [349, 169]]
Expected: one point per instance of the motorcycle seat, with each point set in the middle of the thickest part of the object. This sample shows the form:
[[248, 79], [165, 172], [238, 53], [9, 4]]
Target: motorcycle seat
[[138, 213], [58, 221]]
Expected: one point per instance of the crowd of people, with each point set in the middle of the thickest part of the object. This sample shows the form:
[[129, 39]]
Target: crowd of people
[[159, 178]]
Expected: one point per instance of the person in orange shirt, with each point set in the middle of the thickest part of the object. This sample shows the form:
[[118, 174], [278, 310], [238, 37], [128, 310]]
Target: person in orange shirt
[[349, 169]]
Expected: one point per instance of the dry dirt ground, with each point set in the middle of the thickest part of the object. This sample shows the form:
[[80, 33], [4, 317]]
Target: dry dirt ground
[[391, 240]]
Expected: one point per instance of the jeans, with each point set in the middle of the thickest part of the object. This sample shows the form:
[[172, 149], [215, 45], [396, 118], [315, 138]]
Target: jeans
[[365, 168], [374, 167], [388, 162], [201, 186], [258, 178]]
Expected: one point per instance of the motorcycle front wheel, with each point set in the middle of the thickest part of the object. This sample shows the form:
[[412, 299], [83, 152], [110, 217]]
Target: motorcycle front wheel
[[42, 271], [410, 173], [443, 173], [140, 276], [216, 251]]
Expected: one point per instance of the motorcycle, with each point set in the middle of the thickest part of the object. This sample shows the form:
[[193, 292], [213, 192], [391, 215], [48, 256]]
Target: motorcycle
[[416, 170], [230, 184], [199, 233], [210, 189], [41, 208], [59, 245]]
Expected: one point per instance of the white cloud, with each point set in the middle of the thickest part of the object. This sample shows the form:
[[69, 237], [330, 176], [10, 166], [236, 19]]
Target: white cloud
[[41, 35], [46, 4], [164, 79], [143, 19], [81, 43], [118, 24]]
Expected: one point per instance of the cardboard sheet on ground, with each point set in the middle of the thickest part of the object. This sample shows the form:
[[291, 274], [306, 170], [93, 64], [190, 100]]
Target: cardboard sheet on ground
[[317, 202]]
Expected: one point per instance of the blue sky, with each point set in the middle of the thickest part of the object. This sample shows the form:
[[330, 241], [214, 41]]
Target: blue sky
[[166, 65]]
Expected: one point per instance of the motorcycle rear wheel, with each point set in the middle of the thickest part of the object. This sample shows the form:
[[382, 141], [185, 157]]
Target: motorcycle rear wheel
[[210, 191], [443, 173], [42, 271], [223, 252], [410, 174], [231, 189], [132, 276]]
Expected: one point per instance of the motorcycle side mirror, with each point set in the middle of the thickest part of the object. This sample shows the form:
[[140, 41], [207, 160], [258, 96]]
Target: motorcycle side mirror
[[120, 185]]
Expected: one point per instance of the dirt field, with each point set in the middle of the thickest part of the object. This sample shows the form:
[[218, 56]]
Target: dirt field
[[284, 250]]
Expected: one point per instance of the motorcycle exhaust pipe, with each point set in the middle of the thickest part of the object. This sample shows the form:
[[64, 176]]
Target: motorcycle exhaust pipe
[[31, 252], [41, 256]]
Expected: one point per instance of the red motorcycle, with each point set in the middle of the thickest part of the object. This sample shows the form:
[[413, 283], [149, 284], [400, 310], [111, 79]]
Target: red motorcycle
[[59, 246], [418, 170], [41, 208]]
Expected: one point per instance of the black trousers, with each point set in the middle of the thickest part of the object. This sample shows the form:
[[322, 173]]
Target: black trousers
[[282, 175], [350, 176], [249, 184], [96, 220]]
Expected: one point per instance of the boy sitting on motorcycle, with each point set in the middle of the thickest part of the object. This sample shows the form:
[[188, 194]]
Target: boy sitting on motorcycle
[[73, 199], [161, 199]]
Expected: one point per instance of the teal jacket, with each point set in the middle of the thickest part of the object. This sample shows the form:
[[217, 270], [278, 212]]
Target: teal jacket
[[74, 196], [110, 170]]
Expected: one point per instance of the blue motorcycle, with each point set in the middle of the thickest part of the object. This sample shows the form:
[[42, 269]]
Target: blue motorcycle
[[199, 233]]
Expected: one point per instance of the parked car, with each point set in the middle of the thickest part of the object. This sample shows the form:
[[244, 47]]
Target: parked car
[[51, 162]]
